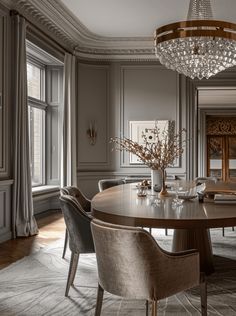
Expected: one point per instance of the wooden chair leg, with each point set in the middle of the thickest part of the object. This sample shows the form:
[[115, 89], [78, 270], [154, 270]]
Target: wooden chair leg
[[203, 294], [223, 232], [65, 244], [154, 308], [98, 308], [75, 266], [150, 230], [166, 231], [72, 271], [232, 228], [147, 308]]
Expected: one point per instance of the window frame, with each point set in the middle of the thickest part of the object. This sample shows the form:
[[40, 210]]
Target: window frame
[[41, 105], [52, 103], [37, 63]]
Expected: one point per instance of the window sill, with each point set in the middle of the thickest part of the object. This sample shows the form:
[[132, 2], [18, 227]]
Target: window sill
[[45, 189]]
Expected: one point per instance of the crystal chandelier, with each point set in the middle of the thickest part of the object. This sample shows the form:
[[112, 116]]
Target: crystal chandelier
[[199, 47]]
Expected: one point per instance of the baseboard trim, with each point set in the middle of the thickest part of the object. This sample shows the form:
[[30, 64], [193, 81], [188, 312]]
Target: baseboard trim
[[5, 237], [46, 204]]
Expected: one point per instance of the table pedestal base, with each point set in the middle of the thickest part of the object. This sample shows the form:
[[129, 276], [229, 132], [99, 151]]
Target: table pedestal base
[[199, 239]]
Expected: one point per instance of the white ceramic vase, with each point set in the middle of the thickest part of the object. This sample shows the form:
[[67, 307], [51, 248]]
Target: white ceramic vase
[[156, 178]]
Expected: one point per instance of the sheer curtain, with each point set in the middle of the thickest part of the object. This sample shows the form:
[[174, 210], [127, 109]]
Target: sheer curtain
[[24, 223], [69, 148]]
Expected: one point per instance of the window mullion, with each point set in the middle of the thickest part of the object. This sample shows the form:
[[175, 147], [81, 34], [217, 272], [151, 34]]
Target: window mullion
[[43, 146]]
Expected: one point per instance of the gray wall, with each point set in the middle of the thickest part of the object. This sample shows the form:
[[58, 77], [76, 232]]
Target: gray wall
[[112, 95], [93, 101]]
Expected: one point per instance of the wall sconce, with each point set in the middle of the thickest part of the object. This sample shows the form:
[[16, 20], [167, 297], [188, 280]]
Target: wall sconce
[[92, 133]]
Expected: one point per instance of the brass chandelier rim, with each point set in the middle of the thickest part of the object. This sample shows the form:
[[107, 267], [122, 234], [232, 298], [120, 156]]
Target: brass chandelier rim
[[195, 28]]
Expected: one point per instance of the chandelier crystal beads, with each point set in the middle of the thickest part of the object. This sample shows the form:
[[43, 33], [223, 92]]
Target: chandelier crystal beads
[[199, 47]]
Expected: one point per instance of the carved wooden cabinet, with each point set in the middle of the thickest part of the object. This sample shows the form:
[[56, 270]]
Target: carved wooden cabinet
[[221, 148]]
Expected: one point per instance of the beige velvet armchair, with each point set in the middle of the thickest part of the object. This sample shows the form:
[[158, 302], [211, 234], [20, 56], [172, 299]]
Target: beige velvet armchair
[[79, 231], [132, 265], [83, 201]]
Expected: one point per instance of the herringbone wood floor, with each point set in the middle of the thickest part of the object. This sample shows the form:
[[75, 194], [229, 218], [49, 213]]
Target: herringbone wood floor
[[51, 227]]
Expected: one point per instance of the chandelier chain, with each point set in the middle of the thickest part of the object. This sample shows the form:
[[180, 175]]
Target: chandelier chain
[[200, 10]]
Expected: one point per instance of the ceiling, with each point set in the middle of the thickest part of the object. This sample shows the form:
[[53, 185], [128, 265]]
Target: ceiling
[[138, 18], [110, 29]]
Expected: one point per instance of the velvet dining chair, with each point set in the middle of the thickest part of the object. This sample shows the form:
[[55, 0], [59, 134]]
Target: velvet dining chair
[[201, 180], [108, 183], [83, 201], [132, 265], [79, 233]]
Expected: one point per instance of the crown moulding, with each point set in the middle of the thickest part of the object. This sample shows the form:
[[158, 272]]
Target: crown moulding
[[54, 19]]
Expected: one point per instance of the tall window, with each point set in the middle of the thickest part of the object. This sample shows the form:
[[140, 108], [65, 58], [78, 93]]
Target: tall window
[[37, 106], [44, 77]]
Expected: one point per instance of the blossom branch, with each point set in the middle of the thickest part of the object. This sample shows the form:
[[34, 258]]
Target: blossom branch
[[158, 154]]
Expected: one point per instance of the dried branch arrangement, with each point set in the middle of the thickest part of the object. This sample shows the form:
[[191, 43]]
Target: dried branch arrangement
[[160, 153]]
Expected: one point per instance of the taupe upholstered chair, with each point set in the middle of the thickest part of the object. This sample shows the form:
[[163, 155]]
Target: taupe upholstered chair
[[200, 180], [108, 183], [132, 265], [79, 231], [83, 201]]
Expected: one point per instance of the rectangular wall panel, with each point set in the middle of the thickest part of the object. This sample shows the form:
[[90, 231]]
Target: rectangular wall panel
[[93, 111], [148, 92], [5, 210], [2, 208]]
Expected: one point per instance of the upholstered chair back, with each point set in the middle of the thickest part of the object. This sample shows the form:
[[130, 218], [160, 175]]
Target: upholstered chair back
[[132, 265], [75, 192], [108, 183], [78, 225], [200, 180]]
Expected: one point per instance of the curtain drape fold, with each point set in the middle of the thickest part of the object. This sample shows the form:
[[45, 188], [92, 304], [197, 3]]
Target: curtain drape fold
[[24, 223], [69, 148]]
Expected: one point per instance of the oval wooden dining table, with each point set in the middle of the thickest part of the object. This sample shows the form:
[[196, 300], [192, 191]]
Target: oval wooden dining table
[[191, 220]]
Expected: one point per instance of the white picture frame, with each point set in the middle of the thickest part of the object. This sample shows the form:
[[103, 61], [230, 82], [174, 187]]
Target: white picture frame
[[138, 128]]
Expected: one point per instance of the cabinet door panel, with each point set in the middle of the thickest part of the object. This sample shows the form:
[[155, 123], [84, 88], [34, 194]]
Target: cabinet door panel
[[215, 153], [231, 158]]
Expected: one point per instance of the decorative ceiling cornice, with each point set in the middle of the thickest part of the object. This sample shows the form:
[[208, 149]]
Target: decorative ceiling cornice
[[53, 17]]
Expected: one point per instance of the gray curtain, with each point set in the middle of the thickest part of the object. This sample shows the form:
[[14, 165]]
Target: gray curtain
[[69, 148], [24, 223]]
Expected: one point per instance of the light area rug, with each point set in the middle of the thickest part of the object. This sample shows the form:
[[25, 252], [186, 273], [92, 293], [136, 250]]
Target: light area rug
[[35, 285]]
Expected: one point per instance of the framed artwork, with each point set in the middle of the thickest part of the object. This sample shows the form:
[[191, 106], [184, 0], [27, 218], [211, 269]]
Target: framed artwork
[[138, 128]]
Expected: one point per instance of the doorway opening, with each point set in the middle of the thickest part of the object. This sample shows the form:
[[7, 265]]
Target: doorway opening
[[221, 147], [217, 133]]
